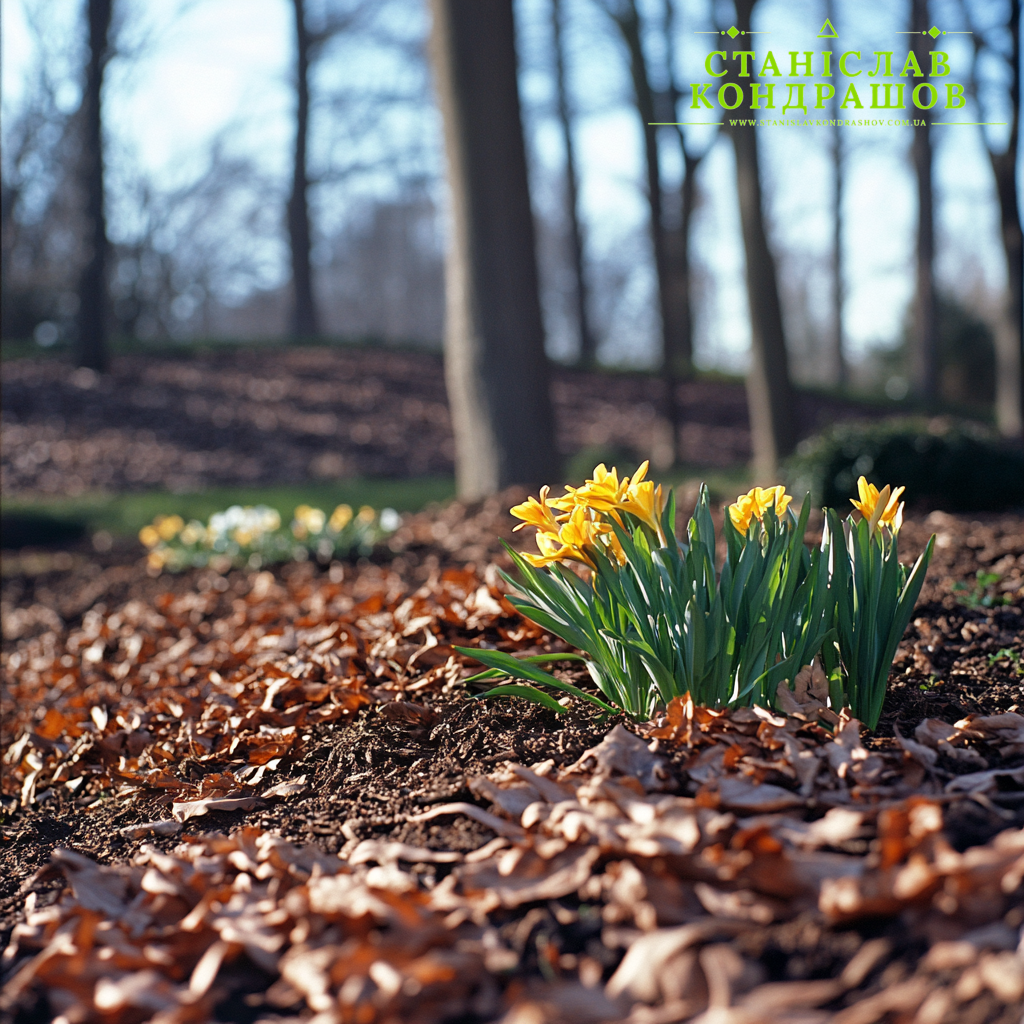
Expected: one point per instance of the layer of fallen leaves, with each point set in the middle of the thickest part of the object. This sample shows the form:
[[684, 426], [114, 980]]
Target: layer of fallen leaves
[[678, 882], [201, 698], [658, 878]]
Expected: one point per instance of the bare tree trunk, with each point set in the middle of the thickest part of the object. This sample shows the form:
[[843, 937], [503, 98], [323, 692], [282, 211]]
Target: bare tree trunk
[[1010, 335], [924, 362], [92, 288], [304, 314], [769, 391], [840, 372], [495, 367], [678, 245], [588, 344], [627, 18], [681, 316]]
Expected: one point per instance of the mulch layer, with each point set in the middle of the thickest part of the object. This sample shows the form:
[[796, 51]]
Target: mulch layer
[[284, 415], [268, 796]]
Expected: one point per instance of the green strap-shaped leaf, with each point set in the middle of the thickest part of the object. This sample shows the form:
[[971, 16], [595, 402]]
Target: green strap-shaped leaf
[[528, 692], [520, 670]]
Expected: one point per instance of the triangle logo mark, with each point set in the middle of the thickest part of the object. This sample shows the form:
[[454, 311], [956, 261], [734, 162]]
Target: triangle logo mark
[[827, 31]]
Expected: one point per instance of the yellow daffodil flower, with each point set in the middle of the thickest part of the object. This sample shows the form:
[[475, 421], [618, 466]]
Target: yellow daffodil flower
[[168, 526], [645, 501], [340, 518], [879, 506], [755, 503], [603, 492], [307, 520], [157, 559], [551, 550], [536, 512], [149, 536], [193, 533]]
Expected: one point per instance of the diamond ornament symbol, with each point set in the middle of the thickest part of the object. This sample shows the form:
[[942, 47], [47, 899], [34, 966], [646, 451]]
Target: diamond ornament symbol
[[733, 32], [933, 32]]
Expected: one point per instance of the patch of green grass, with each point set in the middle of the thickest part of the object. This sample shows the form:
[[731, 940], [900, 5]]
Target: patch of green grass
[[1009, 655], [983, 595], [125, 514]]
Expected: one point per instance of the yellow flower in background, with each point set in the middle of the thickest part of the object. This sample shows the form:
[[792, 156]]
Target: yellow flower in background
[[193, 533], [366, 514], [308, 520], [879, 506], [156, 560], [340, 518], [149, 536], [536, 512], [168, 526], [755, 503]]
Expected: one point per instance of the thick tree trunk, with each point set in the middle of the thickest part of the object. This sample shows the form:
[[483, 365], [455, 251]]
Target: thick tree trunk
[[769, 391], [666, 445], [680, 327], [588, 344], [1010, 333], [92, 287], [495, 367], [840, 372], [924, 352], [677, 244], [304, 314]]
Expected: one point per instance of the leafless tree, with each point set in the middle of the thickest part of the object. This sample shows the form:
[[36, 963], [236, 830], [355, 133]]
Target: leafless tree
[[587, 342], [1004, 47], [41, 233], [769, 390], [680, 345], [839, 368], [92, 288], [625, 15], [495, 366], [304, 315], [924, 348]]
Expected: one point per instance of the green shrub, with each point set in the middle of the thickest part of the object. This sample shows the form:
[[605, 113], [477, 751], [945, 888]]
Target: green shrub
[[957, 467]]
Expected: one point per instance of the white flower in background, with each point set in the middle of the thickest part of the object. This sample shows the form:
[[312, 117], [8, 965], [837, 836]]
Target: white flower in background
[[390, 520]]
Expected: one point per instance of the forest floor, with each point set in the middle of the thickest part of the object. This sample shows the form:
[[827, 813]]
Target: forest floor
[[270, 796], [284, 415]]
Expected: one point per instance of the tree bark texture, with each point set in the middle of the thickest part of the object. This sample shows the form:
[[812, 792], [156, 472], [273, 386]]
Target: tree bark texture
[[677, 242], [770, 395], [627, 18], [495, 366], [840, 372], [92, 287], [1010, 334], [305, 322], [924, 351], [588, 344]]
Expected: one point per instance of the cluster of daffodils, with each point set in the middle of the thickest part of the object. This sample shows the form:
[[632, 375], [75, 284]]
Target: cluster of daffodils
[[658, 616], [253, 536], [580, 523], [752, 506]]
